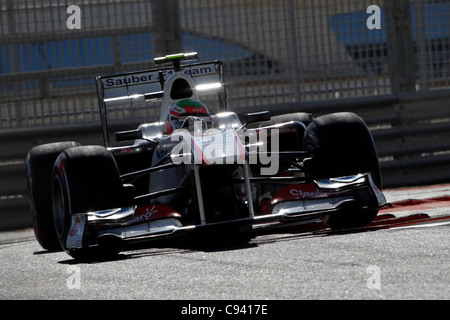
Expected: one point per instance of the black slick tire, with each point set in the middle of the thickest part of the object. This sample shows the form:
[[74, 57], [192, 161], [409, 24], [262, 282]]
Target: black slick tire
[[342, 145], [85, 179]]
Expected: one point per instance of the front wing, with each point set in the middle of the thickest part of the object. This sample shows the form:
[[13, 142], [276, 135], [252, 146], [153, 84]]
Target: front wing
[[135, 224]]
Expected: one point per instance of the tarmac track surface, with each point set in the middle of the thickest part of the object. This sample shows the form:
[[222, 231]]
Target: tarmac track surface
[[403, 254]]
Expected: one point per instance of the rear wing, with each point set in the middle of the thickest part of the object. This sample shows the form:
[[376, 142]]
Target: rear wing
[[130, 88]]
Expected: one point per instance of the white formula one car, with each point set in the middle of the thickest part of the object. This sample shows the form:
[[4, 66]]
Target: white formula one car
[[196, 172]]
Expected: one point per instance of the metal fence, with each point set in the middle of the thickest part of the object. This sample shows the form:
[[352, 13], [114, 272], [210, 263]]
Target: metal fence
[[274, 52]]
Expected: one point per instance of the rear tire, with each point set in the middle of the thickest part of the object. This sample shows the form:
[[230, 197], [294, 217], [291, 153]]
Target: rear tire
[[39, 166], [342, 145]]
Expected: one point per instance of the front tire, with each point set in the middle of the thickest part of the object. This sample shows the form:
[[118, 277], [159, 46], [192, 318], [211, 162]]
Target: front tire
[[85, 179], [342, 145]]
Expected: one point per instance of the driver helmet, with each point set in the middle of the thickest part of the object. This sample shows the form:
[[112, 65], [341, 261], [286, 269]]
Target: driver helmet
[[183, 109]]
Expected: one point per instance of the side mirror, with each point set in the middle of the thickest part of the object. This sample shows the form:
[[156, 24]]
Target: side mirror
[[128, 135], [257, 117]]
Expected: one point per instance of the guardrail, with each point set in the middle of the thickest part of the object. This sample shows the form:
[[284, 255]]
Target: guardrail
[[411, 132]]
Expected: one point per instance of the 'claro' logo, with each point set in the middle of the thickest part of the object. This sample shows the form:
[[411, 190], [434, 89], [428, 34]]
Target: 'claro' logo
[[299, 191], [306, 194]]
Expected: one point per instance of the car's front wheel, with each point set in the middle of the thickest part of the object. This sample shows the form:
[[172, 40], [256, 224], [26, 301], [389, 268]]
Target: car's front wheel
[[85, 179], [342, 145]]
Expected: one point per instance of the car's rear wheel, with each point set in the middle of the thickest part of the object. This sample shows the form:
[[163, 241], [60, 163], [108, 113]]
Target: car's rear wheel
[[85, 179], [342, 145], [39, 166]]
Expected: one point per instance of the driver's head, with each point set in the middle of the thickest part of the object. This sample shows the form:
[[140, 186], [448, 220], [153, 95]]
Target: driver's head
[[183, 109]]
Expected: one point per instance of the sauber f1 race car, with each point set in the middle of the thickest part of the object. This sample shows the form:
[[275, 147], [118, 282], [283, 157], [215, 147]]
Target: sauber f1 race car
[[193, 172]]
